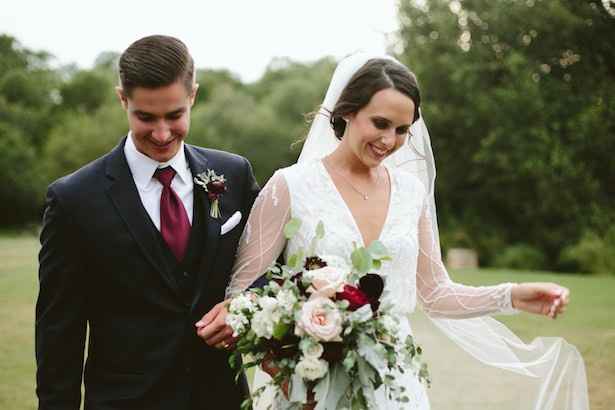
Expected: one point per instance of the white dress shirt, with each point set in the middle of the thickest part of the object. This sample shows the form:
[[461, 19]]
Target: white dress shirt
[[150, 189]]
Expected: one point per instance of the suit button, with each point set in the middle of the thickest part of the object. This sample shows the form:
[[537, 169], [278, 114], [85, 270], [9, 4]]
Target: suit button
[[188, 370], [186, 274]]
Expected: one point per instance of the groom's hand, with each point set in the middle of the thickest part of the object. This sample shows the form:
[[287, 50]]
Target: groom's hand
[[213, 328]]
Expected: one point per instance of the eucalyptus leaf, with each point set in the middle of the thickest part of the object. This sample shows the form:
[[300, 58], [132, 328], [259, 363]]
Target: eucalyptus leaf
[[361, 260], [292, 227], [294, 261], [378, 251], [320, 230], [280, 330]]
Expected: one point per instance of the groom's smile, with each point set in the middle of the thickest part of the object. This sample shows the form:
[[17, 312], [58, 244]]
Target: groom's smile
[[159, 118]]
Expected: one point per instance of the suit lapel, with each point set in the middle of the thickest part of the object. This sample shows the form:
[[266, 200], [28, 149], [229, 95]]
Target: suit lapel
[[124, 195], [198, 164]]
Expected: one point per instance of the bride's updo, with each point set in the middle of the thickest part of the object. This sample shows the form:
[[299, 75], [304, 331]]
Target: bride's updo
[[376, 75]]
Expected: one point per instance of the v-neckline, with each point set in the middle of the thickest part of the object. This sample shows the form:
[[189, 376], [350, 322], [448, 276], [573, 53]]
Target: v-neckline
[[349, 211]]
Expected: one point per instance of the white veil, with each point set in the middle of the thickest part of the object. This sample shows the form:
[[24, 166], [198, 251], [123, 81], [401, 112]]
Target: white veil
[[480, 363]]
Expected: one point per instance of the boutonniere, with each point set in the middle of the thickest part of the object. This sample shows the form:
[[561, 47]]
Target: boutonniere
[[215, 186]]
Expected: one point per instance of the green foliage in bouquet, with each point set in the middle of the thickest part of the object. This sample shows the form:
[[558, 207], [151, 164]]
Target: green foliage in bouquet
[[325, 330]]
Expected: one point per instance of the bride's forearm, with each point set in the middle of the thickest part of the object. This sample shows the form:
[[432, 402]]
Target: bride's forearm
[[455, 301]]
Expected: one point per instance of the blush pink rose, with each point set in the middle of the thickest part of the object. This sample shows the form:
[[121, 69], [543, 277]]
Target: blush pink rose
[[321, 319], [326, 281]]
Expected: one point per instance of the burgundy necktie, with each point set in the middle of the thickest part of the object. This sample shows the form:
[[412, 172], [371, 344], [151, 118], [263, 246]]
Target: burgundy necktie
[[174, 223]]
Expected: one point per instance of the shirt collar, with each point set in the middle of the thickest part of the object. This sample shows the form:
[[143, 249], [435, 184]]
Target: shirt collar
[[143, 167]]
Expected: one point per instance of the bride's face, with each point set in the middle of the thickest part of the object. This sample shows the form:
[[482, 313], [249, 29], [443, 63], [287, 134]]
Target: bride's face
[[381, 127]]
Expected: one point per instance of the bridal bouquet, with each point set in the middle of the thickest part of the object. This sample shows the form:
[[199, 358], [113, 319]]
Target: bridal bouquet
[[325, 330]]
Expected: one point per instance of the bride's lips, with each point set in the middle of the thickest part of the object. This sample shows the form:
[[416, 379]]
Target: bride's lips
[[378, 152]]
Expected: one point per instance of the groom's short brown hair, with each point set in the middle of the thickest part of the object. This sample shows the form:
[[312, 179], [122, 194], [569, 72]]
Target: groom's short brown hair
[[156, 61]]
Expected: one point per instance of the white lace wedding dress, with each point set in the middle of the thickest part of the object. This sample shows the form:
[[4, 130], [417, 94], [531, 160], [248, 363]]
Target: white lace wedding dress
[[415, 273]]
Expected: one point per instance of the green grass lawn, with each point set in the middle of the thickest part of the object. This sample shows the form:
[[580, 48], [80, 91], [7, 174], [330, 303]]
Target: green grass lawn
[[589, 322]]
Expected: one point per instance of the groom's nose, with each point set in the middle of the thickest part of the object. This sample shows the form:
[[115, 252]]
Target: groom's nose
[[161, 132]]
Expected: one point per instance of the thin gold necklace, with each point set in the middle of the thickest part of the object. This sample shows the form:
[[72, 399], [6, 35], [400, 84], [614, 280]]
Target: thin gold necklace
[[364, 195]]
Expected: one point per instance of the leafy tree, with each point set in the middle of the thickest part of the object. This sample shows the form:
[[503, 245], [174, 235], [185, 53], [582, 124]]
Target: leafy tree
[[517, 104]]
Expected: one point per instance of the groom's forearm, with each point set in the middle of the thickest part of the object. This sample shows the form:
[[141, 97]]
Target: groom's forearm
[[60, 320]]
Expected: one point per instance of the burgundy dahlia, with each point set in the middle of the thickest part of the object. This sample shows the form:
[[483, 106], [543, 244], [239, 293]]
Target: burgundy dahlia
[[372, 285], [216, 188], [355, 296]]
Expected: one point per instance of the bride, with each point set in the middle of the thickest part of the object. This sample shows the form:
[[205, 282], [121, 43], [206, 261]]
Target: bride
[[367, 171]]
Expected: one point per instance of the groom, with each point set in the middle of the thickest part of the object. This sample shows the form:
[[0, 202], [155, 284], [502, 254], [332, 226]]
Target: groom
[[133, 250]]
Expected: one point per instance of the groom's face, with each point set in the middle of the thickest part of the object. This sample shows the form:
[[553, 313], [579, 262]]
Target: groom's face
[[159, 118]]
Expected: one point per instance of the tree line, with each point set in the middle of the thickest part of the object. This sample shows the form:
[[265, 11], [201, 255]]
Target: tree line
[[516, 95]]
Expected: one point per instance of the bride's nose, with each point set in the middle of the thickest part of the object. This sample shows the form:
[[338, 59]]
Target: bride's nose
[[388, 138]]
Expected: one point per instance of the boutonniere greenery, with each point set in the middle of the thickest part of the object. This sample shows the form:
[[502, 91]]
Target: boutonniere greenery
[[215, 186]]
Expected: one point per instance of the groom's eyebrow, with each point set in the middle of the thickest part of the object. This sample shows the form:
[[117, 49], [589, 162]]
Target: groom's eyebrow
[[176, 112], [168, 114]]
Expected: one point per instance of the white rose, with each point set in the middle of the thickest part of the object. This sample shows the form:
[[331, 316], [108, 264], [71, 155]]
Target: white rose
[[311, 348], [321, 319], [326, 281], [312, 369]]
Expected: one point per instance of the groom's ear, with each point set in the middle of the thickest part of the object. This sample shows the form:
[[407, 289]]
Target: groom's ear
[[195, 89], [119, 91]]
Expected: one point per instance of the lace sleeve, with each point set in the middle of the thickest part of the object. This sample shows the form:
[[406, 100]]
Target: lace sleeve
[[440, 296], [263, 239]]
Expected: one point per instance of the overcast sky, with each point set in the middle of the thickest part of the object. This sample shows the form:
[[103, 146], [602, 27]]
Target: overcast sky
[[242, 36]]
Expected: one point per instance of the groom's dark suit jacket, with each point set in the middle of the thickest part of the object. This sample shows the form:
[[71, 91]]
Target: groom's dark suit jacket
[[104, 265]]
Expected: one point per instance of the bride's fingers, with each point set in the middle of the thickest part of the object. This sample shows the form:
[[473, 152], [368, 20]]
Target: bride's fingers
[[222, 335], [209, 316]]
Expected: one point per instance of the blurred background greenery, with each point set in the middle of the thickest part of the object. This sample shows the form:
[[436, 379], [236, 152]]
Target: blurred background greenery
[[517, 96]]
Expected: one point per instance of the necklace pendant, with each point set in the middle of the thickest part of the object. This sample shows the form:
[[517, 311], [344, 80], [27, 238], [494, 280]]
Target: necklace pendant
[[365, 197]]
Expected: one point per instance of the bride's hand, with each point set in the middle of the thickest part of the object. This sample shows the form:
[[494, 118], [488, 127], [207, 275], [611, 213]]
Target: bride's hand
[[213, 328], [549, 299]]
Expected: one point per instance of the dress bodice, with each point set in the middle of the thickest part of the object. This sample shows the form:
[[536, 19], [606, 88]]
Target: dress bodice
[[314, 198]]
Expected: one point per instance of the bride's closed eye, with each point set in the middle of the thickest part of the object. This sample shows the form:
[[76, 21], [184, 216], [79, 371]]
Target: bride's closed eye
[[383, 124]]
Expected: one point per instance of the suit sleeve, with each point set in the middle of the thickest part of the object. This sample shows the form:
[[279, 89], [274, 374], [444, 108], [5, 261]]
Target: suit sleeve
[[250, 192], [60, 312]]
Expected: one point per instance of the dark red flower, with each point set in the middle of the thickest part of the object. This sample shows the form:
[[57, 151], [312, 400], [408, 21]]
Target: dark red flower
[[298, 280], [355, 296], [333, 352], [313, 263], [372, 285], [216, 187]]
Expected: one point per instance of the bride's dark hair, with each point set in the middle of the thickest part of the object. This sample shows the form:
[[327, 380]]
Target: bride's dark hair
[[376, 75]]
